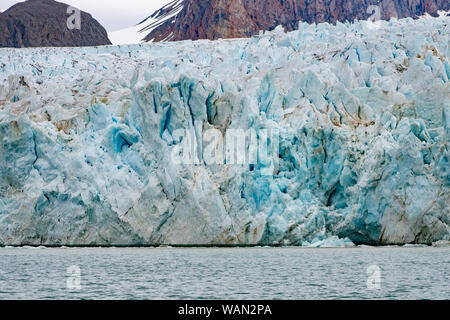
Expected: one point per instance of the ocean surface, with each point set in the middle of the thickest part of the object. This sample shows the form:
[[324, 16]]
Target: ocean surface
[[225, 273]]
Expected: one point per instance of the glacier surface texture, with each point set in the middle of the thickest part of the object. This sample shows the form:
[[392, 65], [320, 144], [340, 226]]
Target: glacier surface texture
[[87, 138]]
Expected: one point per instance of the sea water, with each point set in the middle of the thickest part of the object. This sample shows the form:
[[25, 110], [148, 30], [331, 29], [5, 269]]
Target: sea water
[[225, 273]]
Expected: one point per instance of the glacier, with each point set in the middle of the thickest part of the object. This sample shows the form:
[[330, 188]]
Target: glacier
[[87, 137]]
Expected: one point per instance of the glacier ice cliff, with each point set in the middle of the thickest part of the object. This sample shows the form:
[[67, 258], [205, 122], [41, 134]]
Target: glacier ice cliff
[[362, 109]]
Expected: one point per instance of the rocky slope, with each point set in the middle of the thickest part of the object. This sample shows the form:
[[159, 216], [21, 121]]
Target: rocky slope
[[91, 139], [43, 23], [214, 19]]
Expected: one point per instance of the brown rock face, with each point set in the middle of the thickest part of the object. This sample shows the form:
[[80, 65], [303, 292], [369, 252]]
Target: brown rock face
[[213, 19], [43, 23]]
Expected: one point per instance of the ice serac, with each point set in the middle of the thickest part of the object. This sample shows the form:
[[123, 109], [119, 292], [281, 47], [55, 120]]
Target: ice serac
[[87, 137]]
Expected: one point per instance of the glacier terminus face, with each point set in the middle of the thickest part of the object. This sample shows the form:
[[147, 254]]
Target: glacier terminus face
[[339, 135]]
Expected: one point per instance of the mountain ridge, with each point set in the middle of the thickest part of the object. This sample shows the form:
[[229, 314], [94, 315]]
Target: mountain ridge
[[201, 19], [43, 23]]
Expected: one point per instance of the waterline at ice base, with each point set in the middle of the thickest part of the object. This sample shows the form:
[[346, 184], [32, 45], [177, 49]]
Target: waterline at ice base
[[361, 111]]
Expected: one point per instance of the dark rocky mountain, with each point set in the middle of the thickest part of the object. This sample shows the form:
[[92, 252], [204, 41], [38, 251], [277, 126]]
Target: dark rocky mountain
[[43, 23], [213, 19]]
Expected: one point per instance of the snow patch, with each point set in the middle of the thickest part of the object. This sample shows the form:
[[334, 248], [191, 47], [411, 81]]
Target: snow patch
[[136, 34]]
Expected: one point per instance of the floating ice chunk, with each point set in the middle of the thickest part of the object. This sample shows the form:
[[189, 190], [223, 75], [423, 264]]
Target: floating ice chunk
[[441, 244], [331, 242]]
